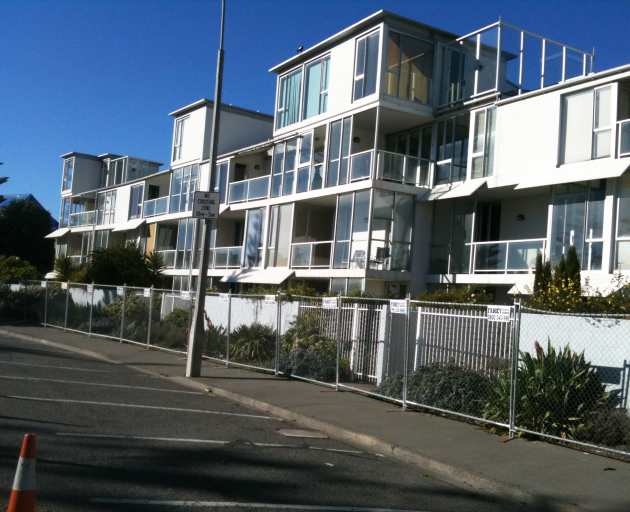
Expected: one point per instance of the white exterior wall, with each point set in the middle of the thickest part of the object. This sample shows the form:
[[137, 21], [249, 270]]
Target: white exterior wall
[[86, 175], [123, 196], [193, 142], [236, 131], [534, 208]]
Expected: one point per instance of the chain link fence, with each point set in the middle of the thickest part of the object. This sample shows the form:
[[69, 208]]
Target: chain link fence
[[562, 376]]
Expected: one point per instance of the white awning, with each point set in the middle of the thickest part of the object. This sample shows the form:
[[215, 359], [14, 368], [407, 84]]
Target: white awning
[[128, 226], [450, 191], [583, 171], [58, 234], [51, 275], [267, 276]]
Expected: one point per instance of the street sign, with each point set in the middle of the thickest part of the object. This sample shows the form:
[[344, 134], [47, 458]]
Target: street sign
[[398, 306], [270, 299], [329, 303], [206, 205], [499, 313], [223, 298], [147, 292]]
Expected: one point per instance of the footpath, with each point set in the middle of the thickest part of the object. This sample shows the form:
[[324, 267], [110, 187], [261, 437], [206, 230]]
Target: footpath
[[543, 476]]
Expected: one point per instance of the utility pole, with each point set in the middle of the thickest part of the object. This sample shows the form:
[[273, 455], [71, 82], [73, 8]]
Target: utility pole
[[195, 337]]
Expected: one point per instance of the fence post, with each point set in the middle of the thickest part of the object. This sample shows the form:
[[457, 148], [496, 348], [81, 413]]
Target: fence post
[[339, 312], [150, 317], [25, 299], [91, 309], [65, 319], [406, 354], [45, 303], [229, 328], [516, 327], [122, 318], [278, 327]]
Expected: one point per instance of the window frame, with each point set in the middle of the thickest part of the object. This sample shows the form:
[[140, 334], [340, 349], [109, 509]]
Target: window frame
[[450, 159], [139, 205], [178, 137], [191, 184], [66, 184], [484, 152], [377, 31]]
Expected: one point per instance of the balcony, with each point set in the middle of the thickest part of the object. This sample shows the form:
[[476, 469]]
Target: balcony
[[249, 190], [311, 255], [623, 137], [360, 165], [501, 257], [80, 220], [227, 257], [407, 170], [154, 207], [169, 257]]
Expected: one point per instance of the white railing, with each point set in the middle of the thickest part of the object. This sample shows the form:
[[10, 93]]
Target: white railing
[[623, 138], [360, 165], [311, 255], [227, 257], [82, 219], [506, 256], [404, 169], [249, 190], [157, 206]]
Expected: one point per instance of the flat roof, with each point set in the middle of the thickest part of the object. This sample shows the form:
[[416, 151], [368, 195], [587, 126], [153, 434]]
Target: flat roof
[[229, 108], [82, 155]]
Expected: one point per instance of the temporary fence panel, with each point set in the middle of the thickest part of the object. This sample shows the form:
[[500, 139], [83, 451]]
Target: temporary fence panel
[[140, 312], [170, 322], [573, 378], [107, 311], [216, 321], [57, 299], [35, 302]]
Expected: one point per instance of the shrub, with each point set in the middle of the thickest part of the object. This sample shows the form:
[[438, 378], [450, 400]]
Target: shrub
[[471, 294], [253, 343], [168, 335], [179, 317], [14, 268], [608, 427], [445, 386], [558, 393], [215, 340]]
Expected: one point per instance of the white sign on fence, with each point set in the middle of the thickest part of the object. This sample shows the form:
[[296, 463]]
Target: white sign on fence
[[270, 299], [499, 313], [184, 295], [223, 298], [64, 286], [206, 205], [329, 303], [147, 292], [120, 290], [398, 306], [44, 283], [90, 288]]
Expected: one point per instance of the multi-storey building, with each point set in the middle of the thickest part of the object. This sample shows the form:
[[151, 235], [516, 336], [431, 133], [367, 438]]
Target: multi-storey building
[[405, 157]]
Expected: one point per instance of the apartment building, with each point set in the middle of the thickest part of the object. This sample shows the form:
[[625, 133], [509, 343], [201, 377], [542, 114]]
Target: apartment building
[[403, 157]]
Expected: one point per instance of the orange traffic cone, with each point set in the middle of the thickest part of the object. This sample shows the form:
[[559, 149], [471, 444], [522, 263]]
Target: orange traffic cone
[[23, 495]]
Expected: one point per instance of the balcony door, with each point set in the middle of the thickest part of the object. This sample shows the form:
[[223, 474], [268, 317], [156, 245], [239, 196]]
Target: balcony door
[[489, 256]]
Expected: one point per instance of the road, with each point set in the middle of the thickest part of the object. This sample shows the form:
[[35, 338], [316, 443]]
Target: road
[[109, 437]]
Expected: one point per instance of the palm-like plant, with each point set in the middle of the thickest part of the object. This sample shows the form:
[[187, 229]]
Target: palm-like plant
[[155, 263], [64, 267]]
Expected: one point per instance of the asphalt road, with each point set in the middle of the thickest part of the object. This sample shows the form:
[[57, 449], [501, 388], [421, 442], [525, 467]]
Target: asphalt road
[[107, 432]]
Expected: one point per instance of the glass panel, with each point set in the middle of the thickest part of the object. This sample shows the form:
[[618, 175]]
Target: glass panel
[[333, 173], [490, 257], [553, 63], [355, 285], [276, 183], [594, 256], [462, 221], [522, 255], [255, 222], [287, 187], [289, 101], [300, 228], [577, 126], [416, 69], [358, 252], [595, 218], [568, 220], [301, 255], [344, 215], [460, 259], [460, 147], [624, 145], [392, 166], [305, 149], [303, 179], [321, 255], [393, 63], [341, 254], [312, 89], [176, 188], [479, 133], [574, 65], [603, 114], [439, 260], [238, 191], [291, 151], [477, 167], [487, 63], [335, 140], [317, 176], [623, 227], [338, 285], [258, 188], [601, 146], [403, 217], [371, 64], [361, 165], [623, 255], [361, 213]]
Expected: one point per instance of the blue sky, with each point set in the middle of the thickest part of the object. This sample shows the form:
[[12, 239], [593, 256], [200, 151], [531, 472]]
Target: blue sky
[[102, 76]]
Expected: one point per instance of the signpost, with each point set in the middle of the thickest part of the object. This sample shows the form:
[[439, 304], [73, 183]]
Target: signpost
[[206, 205]]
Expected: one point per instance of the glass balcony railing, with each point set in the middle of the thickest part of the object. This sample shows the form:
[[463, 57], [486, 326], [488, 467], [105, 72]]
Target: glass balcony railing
[[510, 256], [403, 169], [227, 257], [623, 137], [157, 206], [249, 190], [79, 220], [360, 165], [311, 255], [169, 257]]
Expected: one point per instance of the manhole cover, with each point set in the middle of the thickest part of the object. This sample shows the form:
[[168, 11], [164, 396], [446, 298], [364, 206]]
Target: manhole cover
[[302, 433]]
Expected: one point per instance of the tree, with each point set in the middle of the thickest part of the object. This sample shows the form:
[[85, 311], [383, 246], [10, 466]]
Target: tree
[[118, 265], [573, 275], [155, 263], [13, 268], [542, 278], [3, 180], [23, 226]]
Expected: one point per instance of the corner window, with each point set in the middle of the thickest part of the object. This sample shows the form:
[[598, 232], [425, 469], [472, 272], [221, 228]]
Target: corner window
[[137, 196], [68, 169], [339, 152], [183, 187], [392, 217], [289, 96], [586, 125], [220, 180], [483, 142], [116, 172], [316, 88], [452, 149], [283, 170], [409, 67], [366, 66], [178, 145], [106, 207], [351, 234]]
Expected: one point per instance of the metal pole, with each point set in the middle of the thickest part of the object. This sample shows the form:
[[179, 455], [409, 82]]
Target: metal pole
[[514, 370], [150, 318], [406, 354], [91, 308], [45, 303], [25, 298], [229, 328], [278, 327], [339, 312], [122, 318], [65, 320], [195, 341]]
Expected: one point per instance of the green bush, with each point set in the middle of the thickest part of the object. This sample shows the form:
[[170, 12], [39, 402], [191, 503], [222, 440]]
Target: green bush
[[471, 294], [179, 317], [445, 386], [558, 393], [253, 343], [608, 427], [168, 335]]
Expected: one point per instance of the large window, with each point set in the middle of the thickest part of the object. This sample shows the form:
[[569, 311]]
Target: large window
[[280, 235], [452, 149], [587, 119], [483, 142], [178, 144], [623, 224], [351, 238], [116, 171], [68, 169], [185, 238], [390, 247], [254, 240], [137, 195], [64, 215], [106, 207], [366, 66], [578, 219], [289, 97], [101, 238], [316, 88], [183, 187], [284, 163], [220, 180], [409, 67], [339, 152], [452, 235]]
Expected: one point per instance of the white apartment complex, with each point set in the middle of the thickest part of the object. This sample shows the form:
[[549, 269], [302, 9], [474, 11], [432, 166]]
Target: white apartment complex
[[400, 157]]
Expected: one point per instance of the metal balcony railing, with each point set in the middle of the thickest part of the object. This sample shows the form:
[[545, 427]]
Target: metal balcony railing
[[404, 169], [82, 219], [249, 190], [311, 255], [157, 206], [360, 165]]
